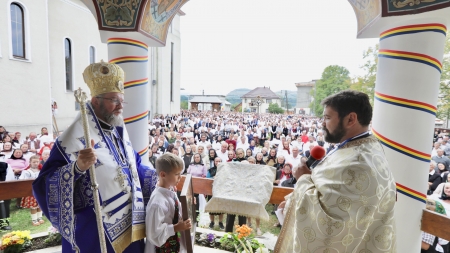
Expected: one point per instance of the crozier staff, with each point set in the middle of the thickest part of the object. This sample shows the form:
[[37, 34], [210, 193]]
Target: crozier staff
[[63, 188], [346, 203]]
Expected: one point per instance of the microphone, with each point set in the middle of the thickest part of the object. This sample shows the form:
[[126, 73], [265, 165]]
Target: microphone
[[316, 154]]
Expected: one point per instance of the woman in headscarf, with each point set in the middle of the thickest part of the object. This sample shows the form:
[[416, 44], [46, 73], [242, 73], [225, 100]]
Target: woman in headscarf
[[240, 156], [259, 159], [211, 174], [271, 159], [248, 153], [17, 162], [280, 162], [211, 156], [187, 157]]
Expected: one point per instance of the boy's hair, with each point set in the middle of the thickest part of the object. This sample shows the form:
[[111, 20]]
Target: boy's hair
[[168, 162], [34, 157]]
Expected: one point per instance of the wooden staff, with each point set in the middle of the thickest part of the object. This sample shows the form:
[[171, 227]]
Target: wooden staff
[[81, 98]]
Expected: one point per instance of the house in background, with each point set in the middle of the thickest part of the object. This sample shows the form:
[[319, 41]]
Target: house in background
[[266, 97]]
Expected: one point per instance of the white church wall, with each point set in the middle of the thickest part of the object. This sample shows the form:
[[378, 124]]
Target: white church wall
[[25, 82], [163, 102], [72, 20]]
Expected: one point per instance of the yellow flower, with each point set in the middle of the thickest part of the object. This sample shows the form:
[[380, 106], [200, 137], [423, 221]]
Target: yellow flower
[[21, 241], [6, 241]]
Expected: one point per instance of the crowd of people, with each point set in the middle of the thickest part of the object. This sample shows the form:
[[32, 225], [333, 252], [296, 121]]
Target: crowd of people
[[22, 158], [205, 139]]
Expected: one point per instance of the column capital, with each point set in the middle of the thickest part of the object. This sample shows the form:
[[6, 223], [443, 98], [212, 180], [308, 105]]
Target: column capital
[[377, 16]]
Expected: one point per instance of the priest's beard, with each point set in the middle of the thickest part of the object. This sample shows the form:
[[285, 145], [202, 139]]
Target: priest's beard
[[110, 118], [336, 135]]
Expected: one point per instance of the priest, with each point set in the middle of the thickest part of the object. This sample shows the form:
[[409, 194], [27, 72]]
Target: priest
[[64, 188], [346, 203]]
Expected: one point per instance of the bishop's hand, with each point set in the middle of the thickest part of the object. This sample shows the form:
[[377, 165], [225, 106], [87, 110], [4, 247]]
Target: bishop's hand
[[86, 158]]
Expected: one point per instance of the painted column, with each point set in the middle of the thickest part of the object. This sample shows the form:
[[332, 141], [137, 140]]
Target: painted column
[[132, 57], [406, 93]]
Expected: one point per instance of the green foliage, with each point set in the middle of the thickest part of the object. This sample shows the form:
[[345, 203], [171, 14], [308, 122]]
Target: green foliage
[[53, 238], [184, 105], [334, 79], [443, 111], [366, 82], [275, 108], [233, 106]]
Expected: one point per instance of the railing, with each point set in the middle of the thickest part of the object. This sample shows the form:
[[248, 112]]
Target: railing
[[433, 223]]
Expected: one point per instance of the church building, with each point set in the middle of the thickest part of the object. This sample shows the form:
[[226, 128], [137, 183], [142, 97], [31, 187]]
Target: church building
[[44, 49]]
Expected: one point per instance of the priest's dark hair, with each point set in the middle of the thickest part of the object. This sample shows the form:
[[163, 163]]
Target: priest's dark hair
[[348, 101]]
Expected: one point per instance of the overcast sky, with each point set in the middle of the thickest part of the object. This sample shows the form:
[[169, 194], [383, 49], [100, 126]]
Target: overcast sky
[[233, 44]]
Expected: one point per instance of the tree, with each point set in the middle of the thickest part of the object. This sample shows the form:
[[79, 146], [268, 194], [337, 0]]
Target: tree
[[443, 107], [334, 79], [275, 108], [184, 105], [366, 83]]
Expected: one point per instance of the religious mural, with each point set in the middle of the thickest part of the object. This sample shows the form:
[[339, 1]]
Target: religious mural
[[157, 17], [118, 13], [404, 7], [366, 12]]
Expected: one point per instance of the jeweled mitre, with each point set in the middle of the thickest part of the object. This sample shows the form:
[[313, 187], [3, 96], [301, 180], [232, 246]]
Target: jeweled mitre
[[103, 77]]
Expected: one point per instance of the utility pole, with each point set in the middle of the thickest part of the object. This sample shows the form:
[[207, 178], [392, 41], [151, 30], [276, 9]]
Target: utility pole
[[287, 105]]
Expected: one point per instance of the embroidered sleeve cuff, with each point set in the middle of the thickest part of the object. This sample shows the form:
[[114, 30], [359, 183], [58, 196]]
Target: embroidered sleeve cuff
[[78, 173]]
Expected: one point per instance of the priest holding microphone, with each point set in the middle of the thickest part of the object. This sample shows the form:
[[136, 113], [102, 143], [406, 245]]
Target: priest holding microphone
[[346, 203]]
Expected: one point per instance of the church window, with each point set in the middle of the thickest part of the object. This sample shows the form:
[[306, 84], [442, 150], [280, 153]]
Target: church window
[[17, 31], [91, 54], [68, 64]]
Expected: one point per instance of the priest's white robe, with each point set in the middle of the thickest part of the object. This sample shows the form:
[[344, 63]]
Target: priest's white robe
[[345, 205]]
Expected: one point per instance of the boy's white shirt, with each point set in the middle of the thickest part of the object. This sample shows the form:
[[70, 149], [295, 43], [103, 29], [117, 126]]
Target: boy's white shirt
[[159, 217]]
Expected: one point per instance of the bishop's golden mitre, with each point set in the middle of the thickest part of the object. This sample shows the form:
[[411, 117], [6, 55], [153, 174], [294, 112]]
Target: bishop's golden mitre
[[103, 77]]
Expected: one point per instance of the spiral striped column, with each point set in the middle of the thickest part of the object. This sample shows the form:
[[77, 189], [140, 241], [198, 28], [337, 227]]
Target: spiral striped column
[[132, 57], [406, 93]]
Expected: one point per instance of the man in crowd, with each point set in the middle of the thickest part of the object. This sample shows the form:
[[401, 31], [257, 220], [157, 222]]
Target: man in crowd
[[440, 158], [223, 153]]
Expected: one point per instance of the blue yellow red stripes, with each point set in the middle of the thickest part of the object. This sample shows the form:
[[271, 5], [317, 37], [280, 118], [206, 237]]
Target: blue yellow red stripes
[[409, 56], [410, 29], [142, 152], [136, 118], [411, 193], [411, 104], [401, 148], [135, 83], [128, 59], [129, 42]]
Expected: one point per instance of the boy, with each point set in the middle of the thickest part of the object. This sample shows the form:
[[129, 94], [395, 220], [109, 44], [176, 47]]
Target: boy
[[163, 220]]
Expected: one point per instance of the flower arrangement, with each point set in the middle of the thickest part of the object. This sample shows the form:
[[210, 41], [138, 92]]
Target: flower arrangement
[[207, 240], [54, 237], [243, 241], [15, 241]]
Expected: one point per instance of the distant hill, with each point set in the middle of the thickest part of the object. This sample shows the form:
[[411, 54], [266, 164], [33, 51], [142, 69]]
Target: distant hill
[[291, 95], [234, 97], [184, 98]]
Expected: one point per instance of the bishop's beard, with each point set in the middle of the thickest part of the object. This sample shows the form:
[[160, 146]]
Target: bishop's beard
[[111, 118]]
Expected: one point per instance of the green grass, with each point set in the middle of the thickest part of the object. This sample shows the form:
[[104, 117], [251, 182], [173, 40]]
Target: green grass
[[20, 219]]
